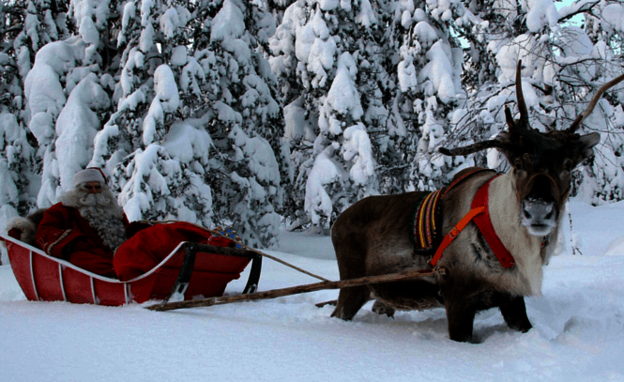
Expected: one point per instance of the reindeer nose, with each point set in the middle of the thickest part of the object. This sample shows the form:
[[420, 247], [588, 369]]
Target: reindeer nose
[[539, 216]]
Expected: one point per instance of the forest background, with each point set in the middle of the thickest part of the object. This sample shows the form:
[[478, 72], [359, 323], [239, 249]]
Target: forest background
[[264, 113]]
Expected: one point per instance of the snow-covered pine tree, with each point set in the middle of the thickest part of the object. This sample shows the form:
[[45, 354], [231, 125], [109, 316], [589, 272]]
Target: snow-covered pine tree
[[603, 26], [329, 57], [250, 163], [157, 157], [26, 27], [66, 97], [430, 79], [197, 132]]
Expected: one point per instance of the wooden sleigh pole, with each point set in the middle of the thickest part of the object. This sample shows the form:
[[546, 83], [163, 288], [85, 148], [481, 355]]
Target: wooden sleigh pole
[[306, 288]]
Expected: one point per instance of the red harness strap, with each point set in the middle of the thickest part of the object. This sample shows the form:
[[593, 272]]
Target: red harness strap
[[480, 213]]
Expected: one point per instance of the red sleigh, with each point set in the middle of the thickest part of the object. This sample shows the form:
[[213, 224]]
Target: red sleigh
[[190, 270]]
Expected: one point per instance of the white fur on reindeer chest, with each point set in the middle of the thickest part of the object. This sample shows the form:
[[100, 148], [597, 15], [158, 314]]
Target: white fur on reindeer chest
[[525, 248], [524, 278]]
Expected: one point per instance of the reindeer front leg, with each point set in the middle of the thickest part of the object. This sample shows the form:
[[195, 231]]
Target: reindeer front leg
[[514, 313], [460, 317]]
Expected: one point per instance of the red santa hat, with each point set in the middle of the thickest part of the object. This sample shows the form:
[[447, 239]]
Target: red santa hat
[[90, 174]]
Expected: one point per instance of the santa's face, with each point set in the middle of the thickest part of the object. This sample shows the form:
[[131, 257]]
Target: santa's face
[[92, 187]]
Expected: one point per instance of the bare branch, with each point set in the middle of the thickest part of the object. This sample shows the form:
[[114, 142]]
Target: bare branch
[[592, 104], [587, 7]]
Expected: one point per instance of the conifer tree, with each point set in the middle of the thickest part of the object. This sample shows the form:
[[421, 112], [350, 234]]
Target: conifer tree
[[27, 26], [66, 97], [328, 58], [197, 133]]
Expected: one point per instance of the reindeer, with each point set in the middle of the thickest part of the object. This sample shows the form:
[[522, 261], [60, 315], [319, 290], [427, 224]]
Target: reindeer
[[375, 235]]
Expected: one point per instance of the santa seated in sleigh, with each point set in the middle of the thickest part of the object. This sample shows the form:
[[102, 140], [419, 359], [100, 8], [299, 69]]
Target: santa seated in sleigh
[[90, 230]]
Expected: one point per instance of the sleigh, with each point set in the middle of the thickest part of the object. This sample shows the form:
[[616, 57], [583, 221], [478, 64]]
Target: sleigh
[[190, 271]]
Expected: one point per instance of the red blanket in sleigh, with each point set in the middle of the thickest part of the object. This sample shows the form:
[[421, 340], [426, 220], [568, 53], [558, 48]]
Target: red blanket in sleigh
[[150, 246]]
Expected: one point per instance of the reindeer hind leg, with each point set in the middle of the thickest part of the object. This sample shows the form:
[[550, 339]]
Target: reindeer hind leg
[[350, 300], [350, 256]]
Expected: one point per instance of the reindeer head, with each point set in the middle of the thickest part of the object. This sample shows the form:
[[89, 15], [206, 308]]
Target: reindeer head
[[541, 162]]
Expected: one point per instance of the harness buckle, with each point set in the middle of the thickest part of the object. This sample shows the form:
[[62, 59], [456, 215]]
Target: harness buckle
[[453, 233]]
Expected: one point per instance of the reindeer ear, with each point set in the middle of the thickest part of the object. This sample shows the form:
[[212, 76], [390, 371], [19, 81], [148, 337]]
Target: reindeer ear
[[588, 142], [505, 148]]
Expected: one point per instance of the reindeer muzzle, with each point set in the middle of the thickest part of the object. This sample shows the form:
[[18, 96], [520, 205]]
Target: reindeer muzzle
[[540, 206]]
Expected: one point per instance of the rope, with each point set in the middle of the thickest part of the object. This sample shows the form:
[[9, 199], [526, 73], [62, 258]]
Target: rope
[[271, 257]]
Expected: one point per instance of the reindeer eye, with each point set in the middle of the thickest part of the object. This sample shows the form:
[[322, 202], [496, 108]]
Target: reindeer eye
[[518, 164], [567, 165]]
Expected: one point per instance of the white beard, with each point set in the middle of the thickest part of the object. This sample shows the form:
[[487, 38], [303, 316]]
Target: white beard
[[102, 213]]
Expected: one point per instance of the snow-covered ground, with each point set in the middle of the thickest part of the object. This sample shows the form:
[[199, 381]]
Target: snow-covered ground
[[578, 332]]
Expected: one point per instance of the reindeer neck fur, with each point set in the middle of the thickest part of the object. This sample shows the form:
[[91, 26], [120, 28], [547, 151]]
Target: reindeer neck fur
[[526, 249]]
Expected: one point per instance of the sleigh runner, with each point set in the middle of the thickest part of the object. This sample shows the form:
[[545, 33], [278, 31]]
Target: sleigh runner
[[191, 270]]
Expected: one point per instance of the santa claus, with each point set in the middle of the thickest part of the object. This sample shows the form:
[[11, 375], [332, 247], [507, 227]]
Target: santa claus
[[87, 226]]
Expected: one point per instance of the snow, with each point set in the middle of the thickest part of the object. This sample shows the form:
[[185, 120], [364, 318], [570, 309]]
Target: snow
[[577, 334], [146, 7], [425, 33], [440, 71], [541, 13], [367, 16], [88, 31], [228, 23], [294, 120], [318, 49], [184, 142], [614, 15], [179, 56], [129, 12], [325, 172], [135, 196], [357, 148], [91, 9], [167, 100], [76, 128], [406, 70], [41, 87], [343, 97], [328, 5], [146, 42], [169, 23]]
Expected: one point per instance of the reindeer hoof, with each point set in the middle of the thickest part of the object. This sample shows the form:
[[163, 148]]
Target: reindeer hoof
[[381, 308]]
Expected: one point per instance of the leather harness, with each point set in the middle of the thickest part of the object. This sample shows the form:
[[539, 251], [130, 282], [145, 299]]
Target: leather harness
[[480, 214]]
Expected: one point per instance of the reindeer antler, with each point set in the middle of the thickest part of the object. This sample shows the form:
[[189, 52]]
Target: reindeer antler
[[522, 128], [524, 112], [592, 104], [470, 149]]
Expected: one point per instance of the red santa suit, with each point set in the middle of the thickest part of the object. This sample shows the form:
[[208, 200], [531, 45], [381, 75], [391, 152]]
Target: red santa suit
[[65, 234]]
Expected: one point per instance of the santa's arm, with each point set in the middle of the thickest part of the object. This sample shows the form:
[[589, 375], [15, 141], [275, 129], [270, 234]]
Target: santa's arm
[[54, 234]]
